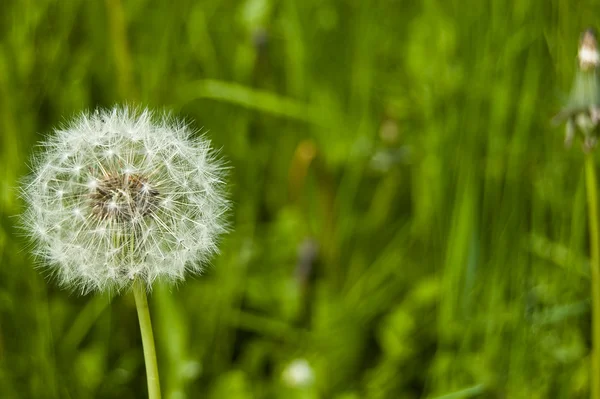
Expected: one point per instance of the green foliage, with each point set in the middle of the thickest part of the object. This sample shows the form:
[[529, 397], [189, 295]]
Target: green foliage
[[406, 222]]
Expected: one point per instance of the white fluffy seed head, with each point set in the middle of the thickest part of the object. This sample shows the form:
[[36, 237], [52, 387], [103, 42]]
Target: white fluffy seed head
[[121, 194]]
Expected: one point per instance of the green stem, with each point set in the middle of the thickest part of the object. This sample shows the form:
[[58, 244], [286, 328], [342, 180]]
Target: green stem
[[141, 303], [592, 198]]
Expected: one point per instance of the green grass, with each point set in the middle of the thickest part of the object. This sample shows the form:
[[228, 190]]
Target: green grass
[[409, 142]]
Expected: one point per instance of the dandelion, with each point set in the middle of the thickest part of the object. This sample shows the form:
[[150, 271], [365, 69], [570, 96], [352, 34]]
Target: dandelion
[[583, 108], [117, 196], [122, 198], [583, 113]]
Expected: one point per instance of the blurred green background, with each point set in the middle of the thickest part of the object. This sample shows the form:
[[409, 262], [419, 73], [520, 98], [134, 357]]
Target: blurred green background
[[406, 222]]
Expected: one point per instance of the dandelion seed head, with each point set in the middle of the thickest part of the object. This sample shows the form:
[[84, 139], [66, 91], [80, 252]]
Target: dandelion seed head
[[122, 194]]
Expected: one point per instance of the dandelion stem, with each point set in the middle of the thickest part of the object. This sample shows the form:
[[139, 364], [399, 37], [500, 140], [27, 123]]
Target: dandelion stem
[[592, 198], [141, 303]]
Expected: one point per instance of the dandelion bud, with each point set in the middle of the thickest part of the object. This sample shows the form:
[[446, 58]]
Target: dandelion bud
[[119, 195]]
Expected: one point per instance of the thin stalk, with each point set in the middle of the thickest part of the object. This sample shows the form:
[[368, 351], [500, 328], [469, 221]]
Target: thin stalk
[[141, 303], [592, 198]]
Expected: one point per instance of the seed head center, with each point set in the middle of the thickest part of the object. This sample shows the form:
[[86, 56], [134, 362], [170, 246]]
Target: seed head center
[[123, 197]]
